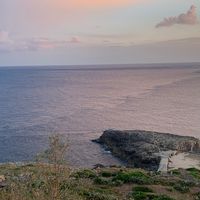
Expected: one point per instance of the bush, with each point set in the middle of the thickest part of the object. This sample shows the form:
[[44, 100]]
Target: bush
[[102, 181], [142, 189], [162, 197], [117, 183], [106, 174], [181, 187], [132, 177], [147, 194], [164, 182], [194, 172], [86, 173], [99, 195], [140, 196]]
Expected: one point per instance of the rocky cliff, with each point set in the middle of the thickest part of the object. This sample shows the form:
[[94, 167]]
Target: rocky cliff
[[141, 148]]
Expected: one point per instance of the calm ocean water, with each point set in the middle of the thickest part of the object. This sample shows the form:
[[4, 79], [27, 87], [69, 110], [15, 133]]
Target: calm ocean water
[[81, 103]]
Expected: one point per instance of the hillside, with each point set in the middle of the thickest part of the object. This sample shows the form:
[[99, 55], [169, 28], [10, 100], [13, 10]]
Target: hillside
[[44, 181]]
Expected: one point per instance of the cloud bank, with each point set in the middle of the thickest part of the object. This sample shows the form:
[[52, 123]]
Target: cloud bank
[[188, 18], [9, 44]]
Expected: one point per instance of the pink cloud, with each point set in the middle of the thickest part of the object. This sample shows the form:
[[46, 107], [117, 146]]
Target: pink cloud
[[8, 44], [47, 43], [188, 18]]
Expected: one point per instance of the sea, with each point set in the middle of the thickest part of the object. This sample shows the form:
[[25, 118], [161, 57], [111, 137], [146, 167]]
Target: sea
[[80, 102]]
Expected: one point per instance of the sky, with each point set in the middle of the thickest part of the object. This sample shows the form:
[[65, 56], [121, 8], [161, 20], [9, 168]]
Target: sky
[[82, 32]]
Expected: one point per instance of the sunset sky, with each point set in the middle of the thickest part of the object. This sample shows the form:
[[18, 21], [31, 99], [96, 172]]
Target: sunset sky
[[51, 32]]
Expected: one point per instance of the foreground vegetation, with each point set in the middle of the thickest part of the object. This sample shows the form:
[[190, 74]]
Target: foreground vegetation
[[41, 181], [56, 181]]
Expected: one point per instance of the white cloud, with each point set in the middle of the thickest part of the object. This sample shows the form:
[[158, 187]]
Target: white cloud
[[188, 18]]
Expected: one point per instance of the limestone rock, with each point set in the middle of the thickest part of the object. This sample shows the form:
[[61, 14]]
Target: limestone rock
[[141, 149], [2, 181]]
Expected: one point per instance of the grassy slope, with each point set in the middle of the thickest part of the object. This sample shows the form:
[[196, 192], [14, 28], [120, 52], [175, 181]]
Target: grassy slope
[[43, 181]]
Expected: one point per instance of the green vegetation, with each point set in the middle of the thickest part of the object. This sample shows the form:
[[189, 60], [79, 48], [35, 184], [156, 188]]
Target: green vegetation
[[146, 196], [85, 173], [55, 180], [40, 182], [194, 172], [99, 195], [140, 196], [134, 176], [176, 172], [146, 193], [142, 189], [197, 196], [163, 197], [107, 174], [183, 186]]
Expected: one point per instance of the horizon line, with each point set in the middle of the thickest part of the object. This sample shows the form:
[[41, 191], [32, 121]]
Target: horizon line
[[134, 65]]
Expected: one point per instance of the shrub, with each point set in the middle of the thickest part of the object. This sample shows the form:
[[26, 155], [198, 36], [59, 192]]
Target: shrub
[[139, 195], [106, 174], [164, 182], [142, 195], [181, 187], [101, 181], [162, 197], [194, 172], [99, 195], [142, 189], [55, 155], [117, 183], [132, 177], [86, 173]]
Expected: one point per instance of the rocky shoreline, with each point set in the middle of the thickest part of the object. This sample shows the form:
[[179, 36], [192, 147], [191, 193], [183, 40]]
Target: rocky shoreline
[[147, 149]]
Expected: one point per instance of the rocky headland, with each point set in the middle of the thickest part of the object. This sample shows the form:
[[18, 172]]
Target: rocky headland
[[147, 149]]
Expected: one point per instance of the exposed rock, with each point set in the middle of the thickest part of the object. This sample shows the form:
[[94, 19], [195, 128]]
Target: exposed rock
[[2, 178], [97, 166], [2, 181], [141, 148]]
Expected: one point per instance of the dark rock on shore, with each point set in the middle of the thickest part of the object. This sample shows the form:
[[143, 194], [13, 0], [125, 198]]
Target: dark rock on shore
[[141, 149]]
